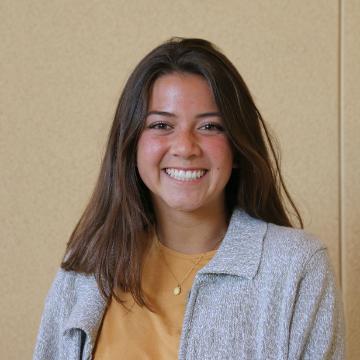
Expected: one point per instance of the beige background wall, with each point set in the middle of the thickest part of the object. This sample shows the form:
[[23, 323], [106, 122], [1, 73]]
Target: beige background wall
[[63, 64], [350, 160]]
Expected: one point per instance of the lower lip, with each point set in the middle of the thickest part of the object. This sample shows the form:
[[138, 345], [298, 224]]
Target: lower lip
[[192, 181]]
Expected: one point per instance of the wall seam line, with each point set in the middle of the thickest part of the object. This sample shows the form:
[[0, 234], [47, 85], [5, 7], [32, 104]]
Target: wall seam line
[[341, 144]]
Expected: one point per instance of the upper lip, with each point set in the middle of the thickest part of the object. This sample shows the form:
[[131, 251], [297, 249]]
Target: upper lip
[[184, 168]]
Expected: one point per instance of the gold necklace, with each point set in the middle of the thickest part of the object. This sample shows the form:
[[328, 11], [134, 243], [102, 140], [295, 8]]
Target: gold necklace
[[177, 290]]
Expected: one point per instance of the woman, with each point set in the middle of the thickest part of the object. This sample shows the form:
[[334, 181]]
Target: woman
[[186, 249]]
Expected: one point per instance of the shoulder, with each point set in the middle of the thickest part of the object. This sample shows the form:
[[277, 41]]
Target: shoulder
[[287, 241], [73, 303], [67, 283], [253, 246], [69, 289], [269, 243], [59, 305], [294, 251]]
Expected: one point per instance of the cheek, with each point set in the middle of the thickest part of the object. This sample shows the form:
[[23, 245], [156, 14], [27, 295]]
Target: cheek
[[220, 153], [149, 151]]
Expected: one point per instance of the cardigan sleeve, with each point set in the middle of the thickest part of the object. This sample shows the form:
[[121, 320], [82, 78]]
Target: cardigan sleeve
[[47, 346], [317, 326]]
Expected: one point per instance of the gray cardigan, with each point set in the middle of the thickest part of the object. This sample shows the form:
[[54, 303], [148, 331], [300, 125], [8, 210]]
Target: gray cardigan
[[268, 293]]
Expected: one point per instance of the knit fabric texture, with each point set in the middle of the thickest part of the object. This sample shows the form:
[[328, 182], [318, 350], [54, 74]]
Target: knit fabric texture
[[268, 293]]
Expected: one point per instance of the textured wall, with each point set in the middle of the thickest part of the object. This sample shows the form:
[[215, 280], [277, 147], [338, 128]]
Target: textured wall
[[63, 64], [350, 171]]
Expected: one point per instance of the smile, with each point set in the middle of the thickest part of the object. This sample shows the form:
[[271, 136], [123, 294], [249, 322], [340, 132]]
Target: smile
[[185, 175]]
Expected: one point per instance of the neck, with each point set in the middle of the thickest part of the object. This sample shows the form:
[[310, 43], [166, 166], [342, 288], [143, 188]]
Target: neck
[[192, 232]]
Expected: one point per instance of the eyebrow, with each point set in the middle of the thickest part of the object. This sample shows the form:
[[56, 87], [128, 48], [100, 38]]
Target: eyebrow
[[169, 114]]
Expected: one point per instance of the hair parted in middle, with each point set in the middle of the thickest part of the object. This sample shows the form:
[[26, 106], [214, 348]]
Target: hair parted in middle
[[112, 235]]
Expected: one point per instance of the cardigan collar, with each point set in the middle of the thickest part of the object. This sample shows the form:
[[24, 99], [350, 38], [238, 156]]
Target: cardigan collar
[[239, 254]]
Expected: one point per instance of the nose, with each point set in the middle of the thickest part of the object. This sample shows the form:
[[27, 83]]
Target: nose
[[185, 144]]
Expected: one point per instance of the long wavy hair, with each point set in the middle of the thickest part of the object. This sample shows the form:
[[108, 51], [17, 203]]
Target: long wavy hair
[[112, 236]]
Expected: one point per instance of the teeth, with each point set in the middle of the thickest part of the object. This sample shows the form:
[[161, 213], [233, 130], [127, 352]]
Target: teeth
[[183, 175]]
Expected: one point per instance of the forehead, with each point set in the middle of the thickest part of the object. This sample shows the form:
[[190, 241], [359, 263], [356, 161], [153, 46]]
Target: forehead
[[181, 90]]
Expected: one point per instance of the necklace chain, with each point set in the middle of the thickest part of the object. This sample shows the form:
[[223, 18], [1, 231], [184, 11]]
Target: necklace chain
[[177, 289]]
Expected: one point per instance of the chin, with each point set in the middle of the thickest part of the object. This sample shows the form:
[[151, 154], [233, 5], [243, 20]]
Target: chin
[[179, 207], [184, 206]]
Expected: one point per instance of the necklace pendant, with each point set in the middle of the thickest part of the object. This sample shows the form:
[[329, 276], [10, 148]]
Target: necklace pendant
[[177, 290]]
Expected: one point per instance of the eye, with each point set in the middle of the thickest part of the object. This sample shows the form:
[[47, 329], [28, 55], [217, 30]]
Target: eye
[[212, 127], [160, 125]]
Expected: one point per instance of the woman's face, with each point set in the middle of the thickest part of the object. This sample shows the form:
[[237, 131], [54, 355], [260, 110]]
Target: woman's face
[[183, 155]]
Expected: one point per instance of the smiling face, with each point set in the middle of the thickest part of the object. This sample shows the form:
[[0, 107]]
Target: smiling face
[[184, 156]]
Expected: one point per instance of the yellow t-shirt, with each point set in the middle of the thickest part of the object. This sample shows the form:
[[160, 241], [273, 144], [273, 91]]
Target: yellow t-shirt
[[139, 333]]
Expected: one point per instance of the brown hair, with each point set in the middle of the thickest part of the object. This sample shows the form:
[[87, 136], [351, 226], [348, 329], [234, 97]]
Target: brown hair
[[111, 236]]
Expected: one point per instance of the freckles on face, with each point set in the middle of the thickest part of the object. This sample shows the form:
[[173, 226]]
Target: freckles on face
[[183, 155], [150, 151], [217, 148]]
